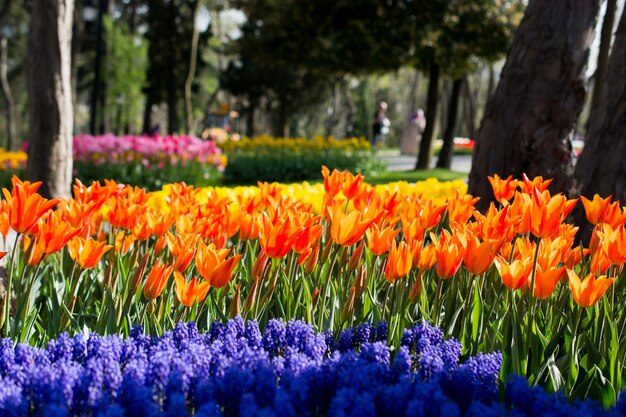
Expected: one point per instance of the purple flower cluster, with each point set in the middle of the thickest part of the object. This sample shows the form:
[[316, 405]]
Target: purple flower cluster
[[171, 150], [236, 370]]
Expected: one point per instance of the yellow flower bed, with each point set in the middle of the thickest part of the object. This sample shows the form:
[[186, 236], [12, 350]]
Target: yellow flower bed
[[12, 160], [296, 144]]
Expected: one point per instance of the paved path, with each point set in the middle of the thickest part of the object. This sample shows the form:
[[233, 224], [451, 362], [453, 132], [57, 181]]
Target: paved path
[[397, 162]]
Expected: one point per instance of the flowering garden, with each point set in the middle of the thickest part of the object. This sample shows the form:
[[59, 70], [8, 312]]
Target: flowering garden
[[285, 300]]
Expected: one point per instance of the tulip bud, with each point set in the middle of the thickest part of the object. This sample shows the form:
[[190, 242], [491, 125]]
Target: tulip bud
[[139, 274], [235, 304], [343, 255], [251, 297], [326, 251], [311, 260], [416, 290], [159, 246], [259, 265], [315, 298], [348, 308], [356, 256], [360, 280]]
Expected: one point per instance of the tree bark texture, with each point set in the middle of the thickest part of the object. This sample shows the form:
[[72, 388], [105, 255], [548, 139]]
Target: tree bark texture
[[541, 92], [410, 135], [469, 108], [447, 150], [606, 35], [8, 95], [423, 160], [191, 75], [50, 96], [601, 168]]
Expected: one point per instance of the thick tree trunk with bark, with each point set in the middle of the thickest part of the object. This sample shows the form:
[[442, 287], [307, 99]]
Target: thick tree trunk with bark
[[469, 108], [447, 150], [423, 160], [410, 135], [8, 95], [50, 96], [601, 168], [541, 92], [191, 75], [606, 35]]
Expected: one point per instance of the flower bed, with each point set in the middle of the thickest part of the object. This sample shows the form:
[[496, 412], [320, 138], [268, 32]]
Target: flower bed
[[149, 162], [511, 279], [288, 370], [294, 159]]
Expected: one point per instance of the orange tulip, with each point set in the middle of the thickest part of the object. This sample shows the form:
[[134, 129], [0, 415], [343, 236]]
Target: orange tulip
[[588, 291], [190, 292], [399, 261], [479, 255], [156, 280], [183, 249], [546, 280], [546, 213], [87, 252], [528, 186], [615, 215], [276, 238], [449, 253], [515, 275], [352, 184], [460, 208], [600, 262], [614, 243], [123, 242], [212, 264], [54, 233], [347, 229], [123, 213], [503, 189], [25, 206], [596, 209], [427, 258], [332, 182], [379, 241]]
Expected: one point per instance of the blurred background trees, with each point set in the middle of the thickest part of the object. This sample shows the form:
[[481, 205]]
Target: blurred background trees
[[294, 68]]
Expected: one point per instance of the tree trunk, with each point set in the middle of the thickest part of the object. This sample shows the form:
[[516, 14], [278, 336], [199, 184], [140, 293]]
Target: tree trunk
[[601, 168], [469, 109], [173, 121], [78, 29], [447, 151], [408, 145], [606, 36], [50, 96], [147, 114], [8, 95], [250, 113], [192, 68], [423, 160], [541, 92], [491, 82], [97, 78], [280, 122]]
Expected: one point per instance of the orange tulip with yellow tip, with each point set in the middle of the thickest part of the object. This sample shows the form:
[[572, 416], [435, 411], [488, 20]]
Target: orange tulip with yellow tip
[[460, 208], [183, 249], [123, 242], [156, 280], [332, 181], [87, 252], [615, 216], [546, 280], [588, 291], [479, 255], [614, 243], [427, 257], [379, 240], [546, 213], [188, 293], [399, 262], [25, 206], [54, 233], [503, 189], [276, 238], [596, 209], [212, 264], [515, 274], [449, 252], [528, 186], [347, 229]]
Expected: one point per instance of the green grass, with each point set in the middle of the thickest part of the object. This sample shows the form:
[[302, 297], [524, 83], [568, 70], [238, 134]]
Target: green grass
[[413, 176]]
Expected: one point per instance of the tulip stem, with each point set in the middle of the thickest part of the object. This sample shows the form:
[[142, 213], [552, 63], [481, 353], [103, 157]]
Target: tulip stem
[[531, 300], [7, 299]]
